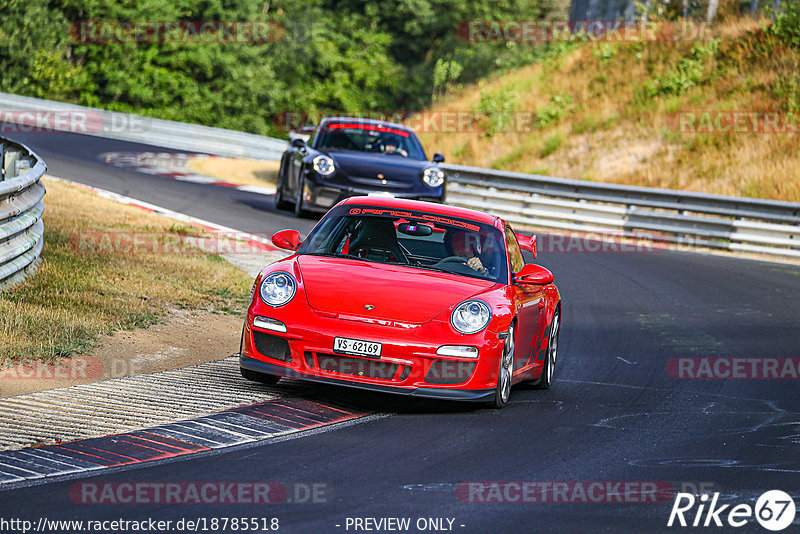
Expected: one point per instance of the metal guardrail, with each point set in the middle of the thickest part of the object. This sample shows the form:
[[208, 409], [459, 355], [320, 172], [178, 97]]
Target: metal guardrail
[[697, 219], [716, 221], [158, 132], [21, 208]]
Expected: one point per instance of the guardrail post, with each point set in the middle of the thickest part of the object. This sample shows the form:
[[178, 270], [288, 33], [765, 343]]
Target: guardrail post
[[10, 158]]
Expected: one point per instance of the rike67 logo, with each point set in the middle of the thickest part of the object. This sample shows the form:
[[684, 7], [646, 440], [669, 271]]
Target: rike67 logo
[[774, 510]]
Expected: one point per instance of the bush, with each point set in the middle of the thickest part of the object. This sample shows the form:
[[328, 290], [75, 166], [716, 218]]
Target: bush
[[553, 111], [497, 108], [688, 73], [787, 23]]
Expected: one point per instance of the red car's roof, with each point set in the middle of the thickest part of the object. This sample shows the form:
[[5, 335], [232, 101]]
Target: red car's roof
[[430, 207]]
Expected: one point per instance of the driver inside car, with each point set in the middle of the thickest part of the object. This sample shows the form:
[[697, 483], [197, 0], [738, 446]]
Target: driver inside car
[[476, 248], [391, 147]]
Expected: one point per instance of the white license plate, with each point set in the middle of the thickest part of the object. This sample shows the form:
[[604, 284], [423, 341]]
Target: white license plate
[[380, 194], [346, 345]]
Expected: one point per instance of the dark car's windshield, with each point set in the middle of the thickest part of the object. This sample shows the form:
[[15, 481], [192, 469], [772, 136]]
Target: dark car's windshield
[[412, 238], [361, 137]]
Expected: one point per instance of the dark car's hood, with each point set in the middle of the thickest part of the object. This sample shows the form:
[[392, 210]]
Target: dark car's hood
[[368, 166], [397, 293]]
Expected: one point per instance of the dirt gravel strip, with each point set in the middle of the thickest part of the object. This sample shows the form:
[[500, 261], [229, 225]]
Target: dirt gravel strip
[[131, 402]]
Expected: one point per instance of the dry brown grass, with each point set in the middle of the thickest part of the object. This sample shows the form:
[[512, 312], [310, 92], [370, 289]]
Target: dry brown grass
[[238, 171], [78, 295], [612, 130]]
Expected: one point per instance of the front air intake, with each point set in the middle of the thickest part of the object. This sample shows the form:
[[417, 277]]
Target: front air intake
[[449, 372], [272, 346]]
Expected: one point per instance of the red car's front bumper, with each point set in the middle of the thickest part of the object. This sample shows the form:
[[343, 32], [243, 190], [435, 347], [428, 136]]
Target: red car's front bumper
[[408, 363]]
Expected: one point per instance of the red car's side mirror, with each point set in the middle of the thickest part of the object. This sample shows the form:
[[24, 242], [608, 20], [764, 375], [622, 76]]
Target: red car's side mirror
[[287, 239], [534, 274], [527, 243]]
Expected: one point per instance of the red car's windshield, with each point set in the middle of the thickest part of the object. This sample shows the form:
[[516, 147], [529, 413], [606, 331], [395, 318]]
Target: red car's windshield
[[416, 239]]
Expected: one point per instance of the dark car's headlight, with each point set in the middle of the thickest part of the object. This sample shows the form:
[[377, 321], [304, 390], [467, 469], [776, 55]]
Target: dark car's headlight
[[433, 176], [324, 165], [278, 288], [471, 316]]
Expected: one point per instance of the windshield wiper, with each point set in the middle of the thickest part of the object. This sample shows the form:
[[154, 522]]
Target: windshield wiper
[[430, 268]]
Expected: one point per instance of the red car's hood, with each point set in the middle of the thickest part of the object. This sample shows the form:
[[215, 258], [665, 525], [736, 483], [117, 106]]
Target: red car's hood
[[398, 293]]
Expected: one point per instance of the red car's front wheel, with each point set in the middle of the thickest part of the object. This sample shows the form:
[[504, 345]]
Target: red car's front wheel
[[546, 378], [505, 374]]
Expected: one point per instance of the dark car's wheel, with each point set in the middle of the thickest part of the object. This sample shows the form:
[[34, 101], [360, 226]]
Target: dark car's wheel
[[255, 376], [280, 200], [299, 209], [503, 390], [546, 378]]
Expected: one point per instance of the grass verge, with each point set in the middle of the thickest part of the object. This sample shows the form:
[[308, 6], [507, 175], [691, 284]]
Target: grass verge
[[614, 112], [94, 281]]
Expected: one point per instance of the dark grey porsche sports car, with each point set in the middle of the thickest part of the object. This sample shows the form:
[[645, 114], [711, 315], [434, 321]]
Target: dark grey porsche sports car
[[353, 156]]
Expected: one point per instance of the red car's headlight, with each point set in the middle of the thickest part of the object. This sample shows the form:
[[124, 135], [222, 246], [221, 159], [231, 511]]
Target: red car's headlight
[[278, 288], [471, 316]]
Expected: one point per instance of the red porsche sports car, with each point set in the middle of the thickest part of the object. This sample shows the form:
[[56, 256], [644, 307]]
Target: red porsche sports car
[[405, 297]]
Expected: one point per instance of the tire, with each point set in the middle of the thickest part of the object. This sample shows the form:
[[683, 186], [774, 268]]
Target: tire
[[506, 372], [299, 210], [280, 201], [545, 380], [262, 378]]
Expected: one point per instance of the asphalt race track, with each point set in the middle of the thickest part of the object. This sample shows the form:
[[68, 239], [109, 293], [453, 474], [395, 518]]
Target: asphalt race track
[[619, 410], [77, 157]]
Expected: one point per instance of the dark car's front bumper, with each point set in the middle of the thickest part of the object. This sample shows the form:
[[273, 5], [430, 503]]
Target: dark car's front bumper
[[322, 194], [474, 395]]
